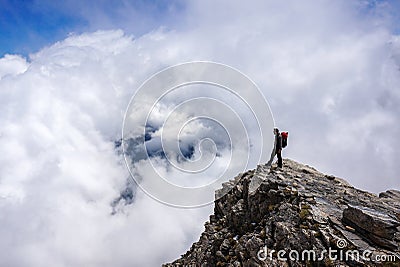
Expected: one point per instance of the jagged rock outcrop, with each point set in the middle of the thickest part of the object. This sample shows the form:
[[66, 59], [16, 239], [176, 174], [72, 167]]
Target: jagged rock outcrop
[[297, 216]]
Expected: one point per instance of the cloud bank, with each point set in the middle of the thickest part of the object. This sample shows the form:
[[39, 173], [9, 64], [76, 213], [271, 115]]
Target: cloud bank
[[330, 71]]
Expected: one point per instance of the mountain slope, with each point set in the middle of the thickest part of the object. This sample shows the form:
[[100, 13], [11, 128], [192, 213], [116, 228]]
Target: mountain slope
[[297, 216]]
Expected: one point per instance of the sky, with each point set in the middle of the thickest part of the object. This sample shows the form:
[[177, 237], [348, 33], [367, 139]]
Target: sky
[[28, 26], [328, 69]]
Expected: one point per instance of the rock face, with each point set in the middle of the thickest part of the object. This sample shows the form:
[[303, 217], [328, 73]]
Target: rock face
[[297, 216]]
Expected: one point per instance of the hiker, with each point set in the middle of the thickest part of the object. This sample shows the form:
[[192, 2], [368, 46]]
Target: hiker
[[278, 146]]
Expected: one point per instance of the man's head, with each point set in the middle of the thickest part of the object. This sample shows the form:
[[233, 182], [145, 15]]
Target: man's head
[[276, 131]]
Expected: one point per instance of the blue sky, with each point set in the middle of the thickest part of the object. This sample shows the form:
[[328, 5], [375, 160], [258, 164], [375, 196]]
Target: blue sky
[[27, 26]]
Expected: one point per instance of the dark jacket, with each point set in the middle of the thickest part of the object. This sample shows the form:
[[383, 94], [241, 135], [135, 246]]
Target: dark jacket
[[278, 142]]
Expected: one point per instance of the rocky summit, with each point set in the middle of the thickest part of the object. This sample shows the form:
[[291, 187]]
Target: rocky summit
[[297, 216]]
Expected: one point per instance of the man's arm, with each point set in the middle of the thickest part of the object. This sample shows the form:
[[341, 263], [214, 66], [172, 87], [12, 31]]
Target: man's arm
[[279, 143]]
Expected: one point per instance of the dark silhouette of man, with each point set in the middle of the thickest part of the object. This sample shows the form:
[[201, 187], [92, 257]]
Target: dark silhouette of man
[[278, 146]]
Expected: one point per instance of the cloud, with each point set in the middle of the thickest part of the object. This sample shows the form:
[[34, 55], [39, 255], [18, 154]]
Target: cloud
[[330, 71], [12, 65], [60, 172]]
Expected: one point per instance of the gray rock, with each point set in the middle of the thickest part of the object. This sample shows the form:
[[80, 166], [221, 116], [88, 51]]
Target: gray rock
[[296, 208], [371, 221]]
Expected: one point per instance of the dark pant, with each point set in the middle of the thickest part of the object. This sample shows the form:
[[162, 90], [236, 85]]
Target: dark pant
[[279, 154]]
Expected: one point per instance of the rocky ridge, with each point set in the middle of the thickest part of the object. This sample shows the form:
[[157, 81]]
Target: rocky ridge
[[297, 216]]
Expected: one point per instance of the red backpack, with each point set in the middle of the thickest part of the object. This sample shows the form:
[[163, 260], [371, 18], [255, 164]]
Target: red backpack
[[285, 136]]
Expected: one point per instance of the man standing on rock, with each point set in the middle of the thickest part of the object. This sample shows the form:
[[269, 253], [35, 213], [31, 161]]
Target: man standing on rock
[[278, 146]]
